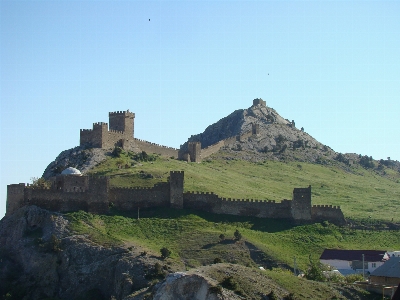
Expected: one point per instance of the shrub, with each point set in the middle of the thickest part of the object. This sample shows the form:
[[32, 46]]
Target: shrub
[[221, 237], [272, 296], [217, 289], [230, 283], [165, 252], [54, 244], [353, 277], [314, 271], [217, 260], [117, 152], [366, 162], [40, 183], [237, 235]]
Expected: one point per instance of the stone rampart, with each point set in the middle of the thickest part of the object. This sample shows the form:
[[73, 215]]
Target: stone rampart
[[212, 149], [156, 148], [65, 201], [93, 194], [327, 213], [210, 202], [130, 199]]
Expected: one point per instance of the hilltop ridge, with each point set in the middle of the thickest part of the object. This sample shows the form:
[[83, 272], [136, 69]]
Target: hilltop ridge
[[263, 133]]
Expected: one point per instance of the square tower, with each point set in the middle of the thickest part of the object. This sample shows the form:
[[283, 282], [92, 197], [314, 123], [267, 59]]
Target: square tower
[[122, 121], [194, 149], [301, 204], [259, 101]]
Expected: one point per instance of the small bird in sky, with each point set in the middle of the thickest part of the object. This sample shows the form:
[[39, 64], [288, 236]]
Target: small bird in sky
[[149, 20]]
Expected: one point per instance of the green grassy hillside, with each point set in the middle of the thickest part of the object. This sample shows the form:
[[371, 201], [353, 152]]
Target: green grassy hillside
[[361, 193], [194, 240]]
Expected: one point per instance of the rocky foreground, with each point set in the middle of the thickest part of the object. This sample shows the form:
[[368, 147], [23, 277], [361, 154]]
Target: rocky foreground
[[41, 257]]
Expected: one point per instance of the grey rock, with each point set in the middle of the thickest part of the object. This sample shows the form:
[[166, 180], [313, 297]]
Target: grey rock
[[42, 256]]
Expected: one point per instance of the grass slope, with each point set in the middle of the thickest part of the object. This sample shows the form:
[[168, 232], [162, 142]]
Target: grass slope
[[361, 193], [194, 241]]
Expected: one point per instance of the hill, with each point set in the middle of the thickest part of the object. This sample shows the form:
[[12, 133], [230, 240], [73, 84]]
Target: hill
[[99, 257]]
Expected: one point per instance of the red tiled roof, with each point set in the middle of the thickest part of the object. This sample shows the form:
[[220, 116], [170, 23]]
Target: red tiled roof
[[350, 255]]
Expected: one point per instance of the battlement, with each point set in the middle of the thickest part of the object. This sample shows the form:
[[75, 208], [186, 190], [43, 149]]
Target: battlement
[[302, 190], [100, 124], [119, 113], [133, 188], [93, 194], [116, 131], [177, 172], [154, 144], [326, 206], [259, 101]]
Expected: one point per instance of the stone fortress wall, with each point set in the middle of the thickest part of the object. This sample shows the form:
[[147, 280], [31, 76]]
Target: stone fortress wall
[[93, 194], [120, 132], [156, 148]]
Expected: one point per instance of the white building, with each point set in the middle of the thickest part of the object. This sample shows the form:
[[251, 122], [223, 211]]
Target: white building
[[351, 261]]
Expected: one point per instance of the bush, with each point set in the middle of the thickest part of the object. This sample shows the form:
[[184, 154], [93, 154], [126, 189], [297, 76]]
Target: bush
[[215, 289], [40, 183], [230, 283], [143, 156], [314, 271], [117, 152], [353, 277], [366, 162], [217, 260], [237, 235], [165, 252], [221, 237]]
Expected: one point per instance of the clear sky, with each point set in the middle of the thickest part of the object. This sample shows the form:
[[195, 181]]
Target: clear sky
[[332, 66]]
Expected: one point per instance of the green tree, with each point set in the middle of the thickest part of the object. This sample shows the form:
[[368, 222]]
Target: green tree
[[117, 152], [237, 235], [165, 252], [221, 237], [314, 271], [40, 183]]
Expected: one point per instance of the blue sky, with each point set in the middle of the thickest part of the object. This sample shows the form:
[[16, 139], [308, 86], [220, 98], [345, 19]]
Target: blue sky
[[332, 66]]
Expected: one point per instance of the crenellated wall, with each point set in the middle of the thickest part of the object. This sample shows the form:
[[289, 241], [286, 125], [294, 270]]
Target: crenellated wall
[[156, 148], [129, 199], [327, 213], [93, 194], [212, 149], [212, 203]]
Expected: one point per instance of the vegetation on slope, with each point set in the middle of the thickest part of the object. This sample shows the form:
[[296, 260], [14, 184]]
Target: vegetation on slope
[[361, 193], [195, 240]]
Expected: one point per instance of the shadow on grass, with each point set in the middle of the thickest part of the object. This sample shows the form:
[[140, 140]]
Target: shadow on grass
[[260, 224]]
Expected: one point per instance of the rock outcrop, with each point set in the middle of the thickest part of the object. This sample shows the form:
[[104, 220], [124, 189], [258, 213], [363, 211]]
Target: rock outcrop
[[42, 258], [79, 157]]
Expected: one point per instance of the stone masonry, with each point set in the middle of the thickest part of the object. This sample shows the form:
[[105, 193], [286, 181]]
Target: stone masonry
[[94, 194]]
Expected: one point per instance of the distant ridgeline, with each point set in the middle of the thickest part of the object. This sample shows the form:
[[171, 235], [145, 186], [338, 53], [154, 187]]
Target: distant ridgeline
[[71, 191]]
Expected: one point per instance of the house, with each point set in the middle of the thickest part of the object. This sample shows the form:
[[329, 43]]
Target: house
[[394, 253], [351, 261], [388, 273]]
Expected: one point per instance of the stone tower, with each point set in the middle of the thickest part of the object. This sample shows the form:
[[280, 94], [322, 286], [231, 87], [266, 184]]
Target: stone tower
[[122, 121], [259, 101], [15, 197], [176, 189], [194, 149], [301, 204], [255, 128]]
